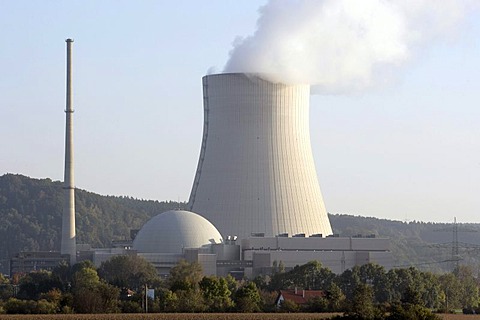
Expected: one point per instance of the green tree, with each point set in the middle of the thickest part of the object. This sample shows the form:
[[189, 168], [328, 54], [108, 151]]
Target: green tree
[[6, 288], [185, 276], [45, 307], [374, 274], [17, 306], [411, 312], [247, 298], [452, 291], [412, 297], [311, 275], [348, 281], [362, 306], [289, 306], [216, 294], [168, 301], [53, 296], [42, 306], [469, 297], [190, 301], [405, 278], [128, 271], [335, 298], [268, 301], [262, 281], [34, 284], [317, 304], [432, 296], [85, 264], [92, 295]]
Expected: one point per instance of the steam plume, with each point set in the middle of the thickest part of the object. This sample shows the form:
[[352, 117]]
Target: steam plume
[[340, 45]]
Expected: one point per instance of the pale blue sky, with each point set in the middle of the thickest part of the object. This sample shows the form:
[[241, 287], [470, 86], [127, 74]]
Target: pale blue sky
[[407, 150]]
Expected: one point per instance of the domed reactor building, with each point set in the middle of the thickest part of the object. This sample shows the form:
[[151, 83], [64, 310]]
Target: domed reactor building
[[256, 174]]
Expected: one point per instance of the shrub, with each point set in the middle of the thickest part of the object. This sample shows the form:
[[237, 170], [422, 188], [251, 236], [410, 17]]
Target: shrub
[[289, 306], [45, 307]]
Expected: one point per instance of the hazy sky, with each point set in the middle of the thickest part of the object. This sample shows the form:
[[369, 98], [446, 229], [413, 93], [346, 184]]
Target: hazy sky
[[407, 149]]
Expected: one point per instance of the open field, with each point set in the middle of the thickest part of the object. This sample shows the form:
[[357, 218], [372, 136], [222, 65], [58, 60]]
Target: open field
[[201, 316], [460, 316], [177, 316]]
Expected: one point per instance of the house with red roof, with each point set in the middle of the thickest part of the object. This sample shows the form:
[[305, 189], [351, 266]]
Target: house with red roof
[[299, 296]]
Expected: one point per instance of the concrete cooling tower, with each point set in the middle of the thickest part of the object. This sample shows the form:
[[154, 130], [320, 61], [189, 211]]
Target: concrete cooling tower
[[256, 172]]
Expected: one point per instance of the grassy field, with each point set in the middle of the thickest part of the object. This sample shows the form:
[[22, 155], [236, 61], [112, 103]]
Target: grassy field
[[202, 316]]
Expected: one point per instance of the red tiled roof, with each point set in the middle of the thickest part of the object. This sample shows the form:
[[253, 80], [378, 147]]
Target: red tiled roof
[[301, 297]]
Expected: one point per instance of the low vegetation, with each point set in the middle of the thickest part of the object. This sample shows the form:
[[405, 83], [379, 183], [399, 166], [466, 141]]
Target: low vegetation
[[118, 286]]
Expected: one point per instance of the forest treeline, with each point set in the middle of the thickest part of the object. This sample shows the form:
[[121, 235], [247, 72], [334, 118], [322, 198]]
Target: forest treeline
[[118, 286], [31, 216], [31, 213]]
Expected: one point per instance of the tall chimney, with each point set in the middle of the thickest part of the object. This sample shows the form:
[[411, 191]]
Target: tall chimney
[[68, 245]]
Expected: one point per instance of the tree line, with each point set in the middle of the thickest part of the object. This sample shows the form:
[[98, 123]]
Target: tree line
[[118, 285]]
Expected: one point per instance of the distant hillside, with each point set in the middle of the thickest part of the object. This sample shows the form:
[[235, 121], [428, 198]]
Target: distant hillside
[[31, 213], [424, 245]]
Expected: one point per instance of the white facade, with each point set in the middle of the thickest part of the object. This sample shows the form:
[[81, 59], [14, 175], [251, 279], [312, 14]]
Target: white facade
[[337, 254], [173, 231], [256, 172]]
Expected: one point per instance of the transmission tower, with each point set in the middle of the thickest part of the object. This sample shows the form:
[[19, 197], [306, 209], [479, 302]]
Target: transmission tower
[[455, 229]]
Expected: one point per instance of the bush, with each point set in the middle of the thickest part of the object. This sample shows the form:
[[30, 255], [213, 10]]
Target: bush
[[289, 306], [130, 307], [66, 310], [411, 312], [16, 306], [45, 307], [317, 304]]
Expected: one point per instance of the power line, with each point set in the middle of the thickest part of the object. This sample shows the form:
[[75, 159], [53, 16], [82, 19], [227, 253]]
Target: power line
[[455, 244], [428, 263]]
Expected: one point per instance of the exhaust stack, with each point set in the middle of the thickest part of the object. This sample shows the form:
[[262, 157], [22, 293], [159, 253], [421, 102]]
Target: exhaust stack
[[68, 244]]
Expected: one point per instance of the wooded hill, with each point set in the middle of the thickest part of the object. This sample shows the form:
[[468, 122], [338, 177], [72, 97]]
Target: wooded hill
[[31, 219]]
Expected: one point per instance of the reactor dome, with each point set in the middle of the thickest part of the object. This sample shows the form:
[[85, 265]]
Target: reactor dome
[[171, 231]]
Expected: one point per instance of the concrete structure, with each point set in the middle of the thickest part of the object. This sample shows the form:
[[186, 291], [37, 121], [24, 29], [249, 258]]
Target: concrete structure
[[68, 244], [175, 230], [337, 254], [259, 255], [29, 261], [256, 172], [174, 235]]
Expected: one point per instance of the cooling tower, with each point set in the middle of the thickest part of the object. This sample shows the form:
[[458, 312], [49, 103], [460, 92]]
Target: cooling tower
[[256, 172]]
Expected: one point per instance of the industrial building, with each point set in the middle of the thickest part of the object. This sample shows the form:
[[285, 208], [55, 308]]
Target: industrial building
[[29, 261], [255, 200], [175, 235]]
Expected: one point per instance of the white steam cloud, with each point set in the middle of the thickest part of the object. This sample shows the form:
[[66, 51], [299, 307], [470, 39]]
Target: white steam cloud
[[341, 45]]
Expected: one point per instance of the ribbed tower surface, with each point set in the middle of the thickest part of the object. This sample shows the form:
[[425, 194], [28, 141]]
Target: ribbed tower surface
[[256, 172]]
